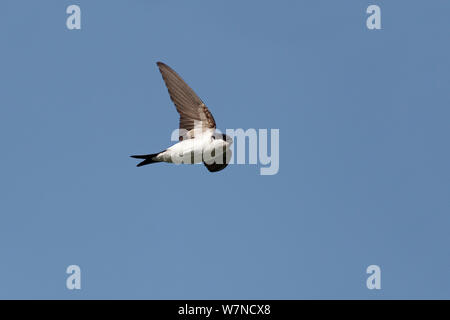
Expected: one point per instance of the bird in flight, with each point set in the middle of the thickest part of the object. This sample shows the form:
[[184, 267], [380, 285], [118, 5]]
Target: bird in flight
[[198, 139]]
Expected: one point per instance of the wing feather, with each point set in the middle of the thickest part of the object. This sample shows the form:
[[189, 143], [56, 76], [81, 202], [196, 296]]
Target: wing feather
[[191, 108]]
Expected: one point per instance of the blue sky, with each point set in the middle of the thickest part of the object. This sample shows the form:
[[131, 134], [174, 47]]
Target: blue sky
[[364, 160]]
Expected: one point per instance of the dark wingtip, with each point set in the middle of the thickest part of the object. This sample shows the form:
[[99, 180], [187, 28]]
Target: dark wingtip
[[159, 64]]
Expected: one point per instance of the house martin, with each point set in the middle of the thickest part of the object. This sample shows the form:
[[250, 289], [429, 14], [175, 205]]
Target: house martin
[[198, 139]]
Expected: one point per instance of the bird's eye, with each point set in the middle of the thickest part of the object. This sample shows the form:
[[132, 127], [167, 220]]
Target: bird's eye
[[213, 137]]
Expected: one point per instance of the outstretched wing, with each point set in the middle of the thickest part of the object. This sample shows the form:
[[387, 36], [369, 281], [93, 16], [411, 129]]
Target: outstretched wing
[[191, 108]]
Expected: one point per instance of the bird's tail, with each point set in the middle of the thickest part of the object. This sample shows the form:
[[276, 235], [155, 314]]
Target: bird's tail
[[148, 158]]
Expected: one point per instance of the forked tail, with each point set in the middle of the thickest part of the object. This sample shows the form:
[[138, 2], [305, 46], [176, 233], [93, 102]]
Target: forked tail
[[148, 158]]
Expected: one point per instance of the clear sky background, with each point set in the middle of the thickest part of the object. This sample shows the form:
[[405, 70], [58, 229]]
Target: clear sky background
[[364, 150]]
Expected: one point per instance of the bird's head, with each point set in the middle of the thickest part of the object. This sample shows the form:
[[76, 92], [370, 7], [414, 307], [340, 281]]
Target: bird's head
[[222, 140], [227, 139]]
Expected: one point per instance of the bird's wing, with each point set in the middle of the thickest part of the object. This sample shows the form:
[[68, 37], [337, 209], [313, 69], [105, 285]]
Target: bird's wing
[[192, 110], [214, 167]]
